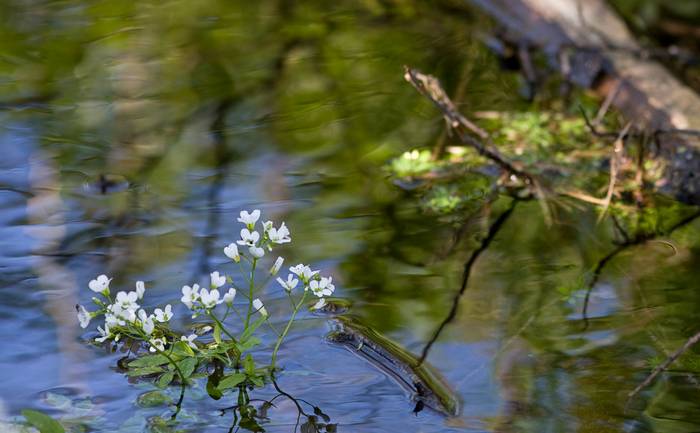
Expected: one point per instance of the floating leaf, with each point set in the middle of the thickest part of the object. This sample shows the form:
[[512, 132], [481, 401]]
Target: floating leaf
[[153, 399], [43, 422], [148, 361]]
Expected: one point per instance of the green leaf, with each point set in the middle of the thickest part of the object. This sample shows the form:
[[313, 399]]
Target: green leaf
[[248, 344], [165, 379], [217, 333], [144, 371], [212, 390], [153, 399], [231, 381], [249, 365], [249, 331], [43, 422], [182, 349], [187, 366], [148, 361], [257, 381]]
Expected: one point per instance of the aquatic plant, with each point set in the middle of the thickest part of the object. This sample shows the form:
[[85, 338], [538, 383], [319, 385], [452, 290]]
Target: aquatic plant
[[176, 356]]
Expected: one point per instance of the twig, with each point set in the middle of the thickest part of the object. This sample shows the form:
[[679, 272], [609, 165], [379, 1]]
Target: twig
[[606, 103], [618, 150], [664, 365], [430, 87]]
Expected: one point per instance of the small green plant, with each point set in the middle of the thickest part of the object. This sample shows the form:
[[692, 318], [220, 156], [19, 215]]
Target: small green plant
[[228, 358], [413, 163]]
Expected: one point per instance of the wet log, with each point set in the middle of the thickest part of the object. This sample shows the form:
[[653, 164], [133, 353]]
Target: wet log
[[588, 44], [425, 385]]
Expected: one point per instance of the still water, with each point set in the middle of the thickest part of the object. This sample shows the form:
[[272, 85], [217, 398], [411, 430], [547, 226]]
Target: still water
[[133, 133]]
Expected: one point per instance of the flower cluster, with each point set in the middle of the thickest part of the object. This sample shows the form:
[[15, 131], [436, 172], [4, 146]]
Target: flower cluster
[[123, 316], [252, 239], [311, 280], [203, 300]]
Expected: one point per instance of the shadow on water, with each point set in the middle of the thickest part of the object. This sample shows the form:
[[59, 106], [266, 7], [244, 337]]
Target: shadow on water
[[133, 133]]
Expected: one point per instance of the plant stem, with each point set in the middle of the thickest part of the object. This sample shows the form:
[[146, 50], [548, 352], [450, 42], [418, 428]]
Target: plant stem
[[286, 329], [250, 298], [221, 325]]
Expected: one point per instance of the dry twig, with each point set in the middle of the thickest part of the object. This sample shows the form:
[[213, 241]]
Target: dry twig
[[430, 87]]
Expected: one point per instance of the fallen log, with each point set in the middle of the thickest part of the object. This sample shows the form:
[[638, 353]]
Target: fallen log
[[425, 385], [590, 46]]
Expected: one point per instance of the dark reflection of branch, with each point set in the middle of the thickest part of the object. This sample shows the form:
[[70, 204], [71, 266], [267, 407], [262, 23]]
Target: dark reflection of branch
[[493, 231], [639, 239], [245, 415], [27, 101], [223, 158]]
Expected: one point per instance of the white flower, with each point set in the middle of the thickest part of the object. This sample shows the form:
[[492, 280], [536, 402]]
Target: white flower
[[190, 295], [231, 252], [258, 305], [111, 321], [157, 344], [249, 219], [83, 316], [125, 306], [322, 287], [320, 304], [164, 315], [217, 280], [280, 235], [123, 315], [302, 271], [256, 252], [230, 296], [190, 340], [267, 225], [248, 238], [100, 284], [276, 267], [146, 322], [140, 289], [210, 299], [104, 334], [290, 284]]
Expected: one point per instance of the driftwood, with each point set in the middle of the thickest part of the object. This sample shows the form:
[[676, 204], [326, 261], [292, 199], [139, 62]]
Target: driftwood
[[427, 387], [589, 45]]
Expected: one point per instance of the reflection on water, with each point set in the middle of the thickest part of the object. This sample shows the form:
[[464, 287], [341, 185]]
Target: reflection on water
[[132, 133]]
